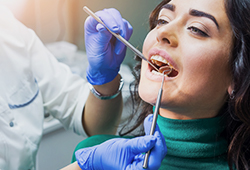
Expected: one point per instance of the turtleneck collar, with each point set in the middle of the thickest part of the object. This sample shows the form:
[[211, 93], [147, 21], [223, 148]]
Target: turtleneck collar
[[190, 141]]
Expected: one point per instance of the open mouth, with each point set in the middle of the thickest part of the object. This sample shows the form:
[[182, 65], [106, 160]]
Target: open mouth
[[163, 66]]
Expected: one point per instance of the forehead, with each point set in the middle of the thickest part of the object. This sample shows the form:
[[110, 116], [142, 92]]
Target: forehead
[[208, 5]]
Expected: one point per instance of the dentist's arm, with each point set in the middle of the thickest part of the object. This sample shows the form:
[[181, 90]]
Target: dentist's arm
[[103, 116], [120, 153], [105, 55]]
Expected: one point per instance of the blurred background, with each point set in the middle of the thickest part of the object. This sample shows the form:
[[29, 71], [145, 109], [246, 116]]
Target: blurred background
[[60, 26], [57, 20]]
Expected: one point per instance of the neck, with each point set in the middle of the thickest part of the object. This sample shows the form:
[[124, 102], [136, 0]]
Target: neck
[[186, 115]]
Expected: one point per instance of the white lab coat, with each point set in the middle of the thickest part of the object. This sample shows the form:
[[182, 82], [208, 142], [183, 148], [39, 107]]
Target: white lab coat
[[31, 81]]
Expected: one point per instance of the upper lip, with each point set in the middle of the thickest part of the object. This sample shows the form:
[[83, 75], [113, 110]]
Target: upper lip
[[164, 54]]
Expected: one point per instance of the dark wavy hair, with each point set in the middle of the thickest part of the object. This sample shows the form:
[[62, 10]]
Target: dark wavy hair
[[238, 12], [237, 108]]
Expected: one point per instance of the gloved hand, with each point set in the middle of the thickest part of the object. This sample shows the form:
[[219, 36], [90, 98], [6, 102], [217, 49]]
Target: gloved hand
[[105, 53], [124, 154]]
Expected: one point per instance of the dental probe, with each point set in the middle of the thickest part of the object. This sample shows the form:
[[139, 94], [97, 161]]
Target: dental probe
[[156, 112], [125, 42]]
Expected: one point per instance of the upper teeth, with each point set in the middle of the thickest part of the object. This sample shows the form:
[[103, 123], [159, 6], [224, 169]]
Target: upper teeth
[[158, 60]]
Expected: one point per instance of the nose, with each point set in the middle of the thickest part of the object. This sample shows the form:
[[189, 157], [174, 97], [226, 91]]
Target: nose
[[167, 35]]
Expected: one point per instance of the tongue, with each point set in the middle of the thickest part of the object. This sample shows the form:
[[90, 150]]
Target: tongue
[[165, 68]]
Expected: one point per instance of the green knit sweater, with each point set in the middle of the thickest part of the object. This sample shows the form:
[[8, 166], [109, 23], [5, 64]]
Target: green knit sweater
[[191, 144]]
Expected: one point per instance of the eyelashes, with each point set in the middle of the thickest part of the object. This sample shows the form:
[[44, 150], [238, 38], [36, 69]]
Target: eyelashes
[[194, 30], [161, 22], [197, 31]]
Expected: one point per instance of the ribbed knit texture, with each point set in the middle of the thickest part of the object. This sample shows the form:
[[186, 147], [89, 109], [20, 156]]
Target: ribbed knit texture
[[194, 144]]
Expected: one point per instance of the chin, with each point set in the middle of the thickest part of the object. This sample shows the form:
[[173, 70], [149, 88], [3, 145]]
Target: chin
[[147, 95]]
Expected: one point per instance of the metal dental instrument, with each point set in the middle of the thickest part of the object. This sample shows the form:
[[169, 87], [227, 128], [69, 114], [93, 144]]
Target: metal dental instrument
[[125, 42], [137, 52], [156, 112]]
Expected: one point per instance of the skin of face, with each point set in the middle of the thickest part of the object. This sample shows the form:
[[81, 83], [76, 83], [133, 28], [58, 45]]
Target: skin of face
[[199, 47]]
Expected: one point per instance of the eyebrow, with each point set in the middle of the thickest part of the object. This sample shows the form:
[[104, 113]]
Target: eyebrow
[[169, 6], [197, 13], [193, 12]]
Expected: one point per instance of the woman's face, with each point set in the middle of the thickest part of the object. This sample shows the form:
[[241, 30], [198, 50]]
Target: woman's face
[[195, 37]]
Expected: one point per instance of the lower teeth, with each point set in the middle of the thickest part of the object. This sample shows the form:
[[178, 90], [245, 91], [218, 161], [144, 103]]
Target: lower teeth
[[157, 73]]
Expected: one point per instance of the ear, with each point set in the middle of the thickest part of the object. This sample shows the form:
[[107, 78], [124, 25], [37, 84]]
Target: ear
[[230, 89]]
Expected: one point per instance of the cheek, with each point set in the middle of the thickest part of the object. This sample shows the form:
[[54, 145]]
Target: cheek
[[143, 85], [207, 75], [206, 62], [147, 89], [148, 42], [146, 94]]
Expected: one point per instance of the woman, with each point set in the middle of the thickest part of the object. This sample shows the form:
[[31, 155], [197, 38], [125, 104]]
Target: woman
[[205, 103]]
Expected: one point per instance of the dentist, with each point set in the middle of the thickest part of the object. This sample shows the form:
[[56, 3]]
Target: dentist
[[33, 81]]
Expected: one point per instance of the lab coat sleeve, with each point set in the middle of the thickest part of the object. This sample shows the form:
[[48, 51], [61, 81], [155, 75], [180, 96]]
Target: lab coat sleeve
[[64, 94]]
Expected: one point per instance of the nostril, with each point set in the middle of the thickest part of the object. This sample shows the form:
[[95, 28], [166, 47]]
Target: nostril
[[166, 40]]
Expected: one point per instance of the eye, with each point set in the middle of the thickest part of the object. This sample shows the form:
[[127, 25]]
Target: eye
[[161, 22], [197, 31]]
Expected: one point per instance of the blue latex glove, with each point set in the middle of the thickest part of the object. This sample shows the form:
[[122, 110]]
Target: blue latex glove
[[124, 154], [105, 53]]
